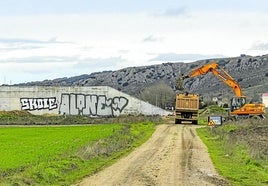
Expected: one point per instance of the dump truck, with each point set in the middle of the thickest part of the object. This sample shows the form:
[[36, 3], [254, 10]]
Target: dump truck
[[186, 108]]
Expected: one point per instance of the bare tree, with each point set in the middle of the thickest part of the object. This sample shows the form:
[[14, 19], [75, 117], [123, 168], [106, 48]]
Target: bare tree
[[159, 94]]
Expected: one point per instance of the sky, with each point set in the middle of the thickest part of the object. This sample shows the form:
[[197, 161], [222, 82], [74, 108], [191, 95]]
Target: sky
[[48, 39]]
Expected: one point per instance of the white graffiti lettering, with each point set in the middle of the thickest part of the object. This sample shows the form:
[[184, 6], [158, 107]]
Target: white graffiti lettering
[[32, 104], [93, 105]]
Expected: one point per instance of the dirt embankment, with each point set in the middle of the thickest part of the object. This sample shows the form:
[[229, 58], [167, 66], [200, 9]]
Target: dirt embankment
[[174, 155]]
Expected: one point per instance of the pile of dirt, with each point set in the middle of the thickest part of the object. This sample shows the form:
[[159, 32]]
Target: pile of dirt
[[254, 134]]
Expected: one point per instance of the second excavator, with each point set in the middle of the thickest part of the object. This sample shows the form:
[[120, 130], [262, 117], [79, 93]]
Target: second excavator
[[238, 106]]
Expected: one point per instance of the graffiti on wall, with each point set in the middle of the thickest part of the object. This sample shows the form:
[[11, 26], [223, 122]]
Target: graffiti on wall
[[32, 104], [94, 105], [78, 104]]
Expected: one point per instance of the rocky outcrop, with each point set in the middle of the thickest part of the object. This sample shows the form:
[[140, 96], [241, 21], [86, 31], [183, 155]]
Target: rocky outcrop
[[251, 73]]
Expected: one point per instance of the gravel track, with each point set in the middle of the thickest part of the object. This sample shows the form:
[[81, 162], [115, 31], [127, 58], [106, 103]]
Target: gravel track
[[174, 155]]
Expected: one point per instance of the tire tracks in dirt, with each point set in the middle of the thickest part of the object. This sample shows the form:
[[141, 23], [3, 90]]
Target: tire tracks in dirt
[[174, 155]]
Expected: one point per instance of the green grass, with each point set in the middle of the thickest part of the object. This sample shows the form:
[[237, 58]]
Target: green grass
[[63, 155], [210, 111], [24, 145], [232, 157]]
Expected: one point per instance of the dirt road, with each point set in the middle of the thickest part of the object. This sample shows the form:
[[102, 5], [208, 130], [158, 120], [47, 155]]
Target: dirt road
[[174, 155]]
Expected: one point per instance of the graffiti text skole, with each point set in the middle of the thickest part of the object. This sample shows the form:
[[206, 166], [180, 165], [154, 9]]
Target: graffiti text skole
[[32, 104]]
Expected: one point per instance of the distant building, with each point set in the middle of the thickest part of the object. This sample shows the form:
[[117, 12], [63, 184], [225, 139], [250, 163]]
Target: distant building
[[265, 99]]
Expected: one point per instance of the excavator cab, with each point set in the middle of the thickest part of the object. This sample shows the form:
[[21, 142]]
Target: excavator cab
[[237, 103]]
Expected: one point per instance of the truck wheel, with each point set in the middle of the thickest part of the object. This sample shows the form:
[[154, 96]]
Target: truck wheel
[[195, 122], [177, 121]]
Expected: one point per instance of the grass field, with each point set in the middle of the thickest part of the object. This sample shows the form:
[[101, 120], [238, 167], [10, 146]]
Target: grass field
[[61, 155], [239, 151]]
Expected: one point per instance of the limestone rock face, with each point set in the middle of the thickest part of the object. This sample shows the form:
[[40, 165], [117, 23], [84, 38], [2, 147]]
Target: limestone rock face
[[251, 72]]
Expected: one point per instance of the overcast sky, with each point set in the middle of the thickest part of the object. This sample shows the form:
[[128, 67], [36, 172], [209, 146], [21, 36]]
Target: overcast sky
[[47, 39]]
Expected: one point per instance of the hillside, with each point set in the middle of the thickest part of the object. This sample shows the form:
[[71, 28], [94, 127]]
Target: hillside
[[250, 71]]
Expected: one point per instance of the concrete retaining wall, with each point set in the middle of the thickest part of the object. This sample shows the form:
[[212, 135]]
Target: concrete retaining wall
[[91, 101]]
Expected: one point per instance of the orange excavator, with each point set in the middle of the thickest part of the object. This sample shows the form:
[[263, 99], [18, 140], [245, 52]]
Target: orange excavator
[[238, 106]]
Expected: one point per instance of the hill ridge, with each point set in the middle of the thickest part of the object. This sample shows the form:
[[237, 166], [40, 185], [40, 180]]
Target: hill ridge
[[248, 71]]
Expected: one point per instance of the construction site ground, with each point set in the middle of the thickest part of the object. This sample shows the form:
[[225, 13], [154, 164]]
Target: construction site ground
[[174, 155]]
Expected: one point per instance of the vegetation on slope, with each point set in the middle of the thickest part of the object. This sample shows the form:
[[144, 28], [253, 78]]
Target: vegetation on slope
[[239, 150], [17, 117]]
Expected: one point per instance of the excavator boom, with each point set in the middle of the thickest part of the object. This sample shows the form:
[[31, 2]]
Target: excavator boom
[[219, 73], [239, 107]]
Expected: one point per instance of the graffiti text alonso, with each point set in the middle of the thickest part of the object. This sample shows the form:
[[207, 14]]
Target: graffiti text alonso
[[94, 105]]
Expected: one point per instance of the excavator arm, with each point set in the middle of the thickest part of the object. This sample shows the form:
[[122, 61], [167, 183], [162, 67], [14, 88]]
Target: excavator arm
[[219, 73], [239, 107]]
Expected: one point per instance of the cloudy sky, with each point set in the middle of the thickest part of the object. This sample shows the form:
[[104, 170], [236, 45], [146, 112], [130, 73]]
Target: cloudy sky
[[47, 39]]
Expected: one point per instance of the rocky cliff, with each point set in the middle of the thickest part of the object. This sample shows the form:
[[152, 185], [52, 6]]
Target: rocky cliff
[[251, 72]]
